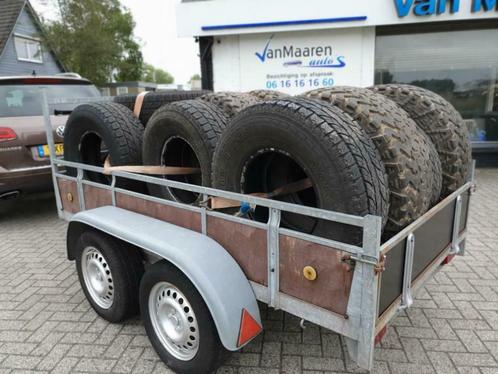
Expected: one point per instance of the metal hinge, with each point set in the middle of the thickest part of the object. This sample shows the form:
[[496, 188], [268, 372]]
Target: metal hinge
[[379, 266]]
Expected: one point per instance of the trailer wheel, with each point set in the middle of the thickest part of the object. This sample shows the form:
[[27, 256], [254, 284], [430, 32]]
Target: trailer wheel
[[96, 131], [178, 322], [404, 150], [442, 123], [109, 272], [154, 100], [230, 102], [183, 134]]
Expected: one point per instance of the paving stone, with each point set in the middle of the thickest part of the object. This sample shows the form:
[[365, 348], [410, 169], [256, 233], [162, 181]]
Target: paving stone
[[47, 326]]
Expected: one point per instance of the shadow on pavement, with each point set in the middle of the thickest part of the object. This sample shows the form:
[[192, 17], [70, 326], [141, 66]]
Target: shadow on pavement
[[28, 206]]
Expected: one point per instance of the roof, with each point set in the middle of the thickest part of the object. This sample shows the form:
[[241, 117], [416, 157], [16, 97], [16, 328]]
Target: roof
[[9, 13], [130, 84]]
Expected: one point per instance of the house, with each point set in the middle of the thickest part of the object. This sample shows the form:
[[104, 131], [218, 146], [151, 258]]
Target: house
[[121, 88], [22, 51]]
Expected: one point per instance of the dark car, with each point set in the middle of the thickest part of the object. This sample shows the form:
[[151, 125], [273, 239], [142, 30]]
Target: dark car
[[24, 155]]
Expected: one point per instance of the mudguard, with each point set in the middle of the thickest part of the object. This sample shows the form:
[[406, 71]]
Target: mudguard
[[211, 269]]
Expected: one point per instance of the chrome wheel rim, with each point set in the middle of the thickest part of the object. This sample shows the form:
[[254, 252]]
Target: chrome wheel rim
[[98, 277], [174, 321]]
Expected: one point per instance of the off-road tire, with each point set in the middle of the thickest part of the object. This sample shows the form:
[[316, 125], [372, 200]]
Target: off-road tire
[[154, 100], [211, 353], [230, 102], [332, 149], [116, 126], [403, 148], [126, 266], [267, 95], [195, 122], [444, 126]]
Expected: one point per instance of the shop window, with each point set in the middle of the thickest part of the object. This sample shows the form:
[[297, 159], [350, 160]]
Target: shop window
[[122, 90], [461, 66], [28, 49]]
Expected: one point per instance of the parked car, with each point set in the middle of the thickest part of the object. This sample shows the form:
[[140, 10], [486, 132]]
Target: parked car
[[24, 154]]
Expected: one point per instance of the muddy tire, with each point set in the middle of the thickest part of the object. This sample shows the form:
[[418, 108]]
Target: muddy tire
[[403, 148], [154, 100], [444, 126], [267, 95], [275, 143], [96, 131], [230, 102], [183, 134]]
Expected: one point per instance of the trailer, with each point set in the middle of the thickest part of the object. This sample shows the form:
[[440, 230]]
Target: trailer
[[220, 265]]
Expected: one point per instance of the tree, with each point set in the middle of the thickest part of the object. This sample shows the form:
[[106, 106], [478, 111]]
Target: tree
[[195, 77], [95, 39], [155, 75]]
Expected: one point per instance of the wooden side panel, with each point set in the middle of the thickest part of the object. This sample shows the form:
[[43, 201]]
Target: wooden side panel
[[431, 239], [246, 244], [96, 197], [69, 195], [330, 290], [180, 217]]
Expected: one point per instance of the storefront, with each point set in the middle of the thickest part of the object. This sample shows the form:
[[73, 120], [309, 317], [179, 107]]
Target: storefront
[[447, 46]]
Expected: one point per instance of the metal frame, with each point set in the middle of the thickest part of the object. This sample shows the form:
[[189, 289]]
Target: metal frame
[[359, 325]]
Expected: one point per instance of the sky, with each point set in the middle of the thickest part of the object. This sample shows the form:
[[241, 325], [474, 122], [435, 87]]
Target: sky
[[156, 32]]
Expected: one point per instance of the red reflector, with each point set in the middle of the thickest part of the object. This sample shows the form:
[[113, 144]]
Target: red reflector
[[380, 335], [7, 134], [249, 328], [448, 259]]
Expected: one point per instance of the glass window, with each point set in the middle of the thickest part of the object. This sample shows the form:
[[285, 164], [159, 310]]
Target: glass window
[[461, 66], [122, 90], [28, 49], [25, 100]]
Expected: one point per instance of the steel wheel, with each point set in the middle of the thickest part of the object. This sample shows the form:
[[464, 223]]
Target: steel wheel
[[174, 321], [98, 277]]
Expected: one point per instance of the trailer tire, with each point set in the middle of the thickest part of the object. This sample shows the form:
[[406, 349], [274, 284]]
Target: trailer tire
[[267, 95], [197, 348], [96, 127], [275, 143], [403, 148], [106, 265], [444, 126], [154, 100], [230, 103], [191, 130]]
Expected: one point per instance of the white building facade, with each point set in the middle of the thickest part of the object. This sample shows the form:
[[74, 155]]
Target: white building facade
[[447, 46]]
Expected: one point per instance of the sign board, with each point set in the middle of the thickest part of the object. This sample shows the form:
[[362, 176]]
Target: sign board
[[298, 62], [230, 17]]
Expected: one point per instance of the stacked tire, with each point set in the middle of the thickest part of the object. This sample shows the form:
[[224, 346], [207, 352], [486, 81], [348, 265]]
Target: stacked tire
[[154, 100], [392, 150]]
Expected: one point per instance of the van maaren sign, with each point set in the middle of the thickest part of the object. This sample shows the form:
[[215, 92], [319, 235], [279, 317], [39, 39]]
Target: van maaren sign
[[319, 56], [431, 7]]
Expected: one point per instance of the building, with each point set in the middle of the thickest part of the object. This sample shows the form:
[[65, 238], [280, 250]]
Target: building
[[448, 46], [122, 88], [22, 51]]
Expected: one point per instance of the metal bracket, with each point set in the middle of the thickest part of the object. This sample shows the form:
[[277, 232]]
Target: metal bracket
[[81, 194], [406, 297], [273, 257], [455, 242]]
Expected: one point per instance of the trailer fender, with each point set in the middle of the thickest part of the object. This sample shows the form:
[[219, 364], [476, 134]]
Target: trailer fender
[[218, 278]]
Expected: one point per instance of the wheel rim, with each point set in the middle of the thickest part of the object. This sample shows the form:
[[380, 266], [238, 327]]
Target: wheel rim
[[174, 321], [98, 277]]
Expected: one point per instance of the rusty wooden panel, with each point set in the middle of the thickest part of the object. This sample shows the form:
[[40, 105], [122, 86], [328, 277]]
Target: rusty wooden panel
[[330, 290], [246, 244], [180, 217], [69, 195], [96, 197]]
